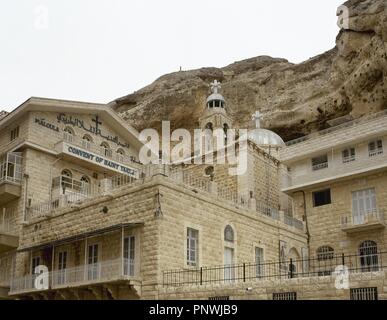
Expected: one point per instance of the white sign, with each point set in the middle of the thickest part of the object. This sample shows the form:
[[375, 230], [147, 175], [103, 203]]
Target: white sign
[[97, 159]]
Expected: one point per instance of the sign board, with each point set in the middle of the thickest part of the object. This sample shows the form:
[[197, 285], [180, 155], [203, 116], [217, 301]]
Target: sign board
[[98, 160]]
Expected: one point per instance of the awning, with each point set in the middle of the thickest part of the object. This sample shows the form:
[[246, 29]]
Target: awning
[[82, 236]]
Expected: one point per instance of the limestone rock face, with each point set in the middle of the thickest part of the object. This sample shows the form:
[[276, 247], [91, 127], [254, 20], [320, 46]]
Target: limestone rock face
[[296, 99]]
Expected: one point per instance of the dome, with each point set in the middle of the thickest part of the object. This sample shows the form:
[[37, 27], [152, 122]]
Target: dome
[[215, 96], [265, 138]]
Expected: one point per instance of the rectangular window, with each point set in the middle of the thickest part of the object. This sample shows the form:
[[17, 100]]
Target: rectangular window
[[320, 162], [349, 155], [375, 148], [34, 263], [15, 133], [285, 296], [364, 293], [129, 255], [62, 265], [363, 205], [321, 198], [259, 262], [192, 247], [93, 265]]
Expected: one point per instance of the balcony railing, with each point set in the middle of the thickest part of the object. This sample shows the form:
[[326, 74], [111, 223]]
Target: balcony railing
[[287, 269], [6, 266], [366, 219], [291, 221], [75, 193], [349, 124], [336, 169], [89, 274], [8, 221]]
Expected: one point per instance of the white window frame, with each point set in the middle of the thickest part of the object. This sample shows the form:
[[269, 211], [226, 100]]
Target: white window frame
[[351, 155], [129, 255], [363, 204], [320, 165], [377, 148], [259, 261], [192, 235]]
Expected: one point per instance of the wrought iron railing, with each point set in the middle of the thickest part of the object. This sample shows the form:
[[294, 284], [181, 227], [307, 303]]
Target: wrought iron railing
[[371, 216], [104, 271], [287, 269], [347, 124]]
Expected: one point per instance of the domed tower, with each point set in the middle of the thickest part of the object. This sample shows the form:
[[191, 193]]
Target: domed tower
[[264, 138], [215, 115]]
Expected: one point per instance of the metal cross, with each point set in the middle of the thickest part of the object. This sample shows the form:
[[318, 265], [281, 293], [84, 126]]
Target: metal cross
[[97, 122]]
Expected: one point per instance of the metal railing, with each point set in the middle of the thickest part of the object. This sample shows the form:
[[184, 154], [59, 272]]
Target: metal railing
[[347, 124], [104, 271], [335, 168], [287, 269], [291, 221], [75, 193], [372, 216], [7, 262], [8, 221]]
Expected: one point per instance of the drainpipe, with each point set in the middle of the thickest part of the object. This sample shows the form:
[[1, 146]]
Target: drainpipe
[[50, 181], [25, 176], [306, 220]]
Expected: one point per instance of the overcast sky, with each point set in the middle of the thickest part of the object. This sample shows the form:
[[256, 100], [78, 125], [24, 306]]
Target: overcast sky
[[99, 50]]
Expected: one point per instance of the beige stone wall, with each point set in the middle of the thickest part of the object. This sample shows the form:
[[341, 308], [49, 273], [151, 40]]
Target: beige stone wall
[[51, 137], [322, 288], [5, 133], [325, 221], [162, 244]]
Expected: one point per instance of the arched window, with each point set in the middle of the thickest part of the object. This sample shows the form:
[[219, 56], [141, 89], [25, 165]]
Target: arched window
[[106, 149], [86, 141], [85, 185], [120, 155], [66, 180], [368, 252], [68, 134], [66, 173], [229, 234], [325, 255]]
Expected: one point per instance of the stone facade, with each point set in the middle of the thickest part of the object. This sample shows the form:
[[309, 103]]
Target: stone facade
[[103, 234]]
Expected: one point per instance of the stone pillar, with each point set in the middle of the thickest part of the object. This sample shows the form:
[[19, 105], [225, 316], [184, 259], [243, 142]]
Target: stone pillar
[[213, 188], [252, 204]]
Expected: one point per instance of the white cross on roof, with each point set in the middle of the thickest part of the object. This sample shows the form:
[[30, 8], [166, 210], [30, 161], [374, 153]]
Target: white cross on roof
[[215, 86], [257, 116]]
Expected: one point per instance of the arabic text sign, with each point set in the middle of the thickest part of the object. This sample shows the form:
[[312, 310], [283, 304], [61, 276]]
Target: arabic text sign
[[97, 159]]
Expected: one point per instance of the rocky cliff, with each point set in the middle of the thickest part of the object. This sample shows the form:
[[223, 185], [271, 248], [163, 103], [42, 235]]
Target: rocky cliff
[[346, 82]]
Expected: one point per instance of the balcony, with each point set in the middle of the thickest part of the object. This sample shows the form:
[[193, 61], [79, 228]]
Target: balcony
[[81, 151], [68, 192], [338, 169], [373, 220], [9, 239], [107, 272], [10, 177]]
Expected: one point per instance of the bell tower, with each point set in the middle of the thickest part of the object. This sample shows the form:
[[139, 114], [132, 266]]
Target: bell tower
[[215, 114]]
